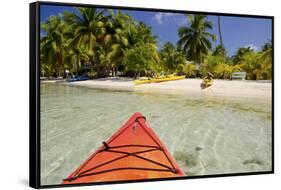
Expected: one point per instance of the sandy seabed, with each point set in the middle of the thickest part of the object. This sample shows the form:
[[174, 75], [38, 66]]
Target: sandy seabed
[[205, 136]]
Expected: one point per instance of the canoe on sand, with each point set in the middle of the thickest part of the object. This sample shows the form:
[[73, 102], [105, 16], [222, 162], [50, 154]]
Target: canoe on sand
[[134, 152], [162, 79]]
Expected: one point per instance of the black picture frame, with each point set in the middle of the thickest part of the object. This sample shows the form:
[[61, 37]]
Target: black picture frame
[[34, 93]]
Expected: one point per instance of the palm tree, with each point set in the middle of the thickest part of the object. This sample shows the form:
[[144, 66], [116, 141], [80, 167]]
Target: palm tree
[[265, 58], [53, 45], [89, 28], [220, 34], [240, 53], [76, 57], [267, 45], [168, 54], [220, 51], [143, 57], [118, 27], [195, 40], [171, 58], [145, 33], [266, 54], [250, 63]]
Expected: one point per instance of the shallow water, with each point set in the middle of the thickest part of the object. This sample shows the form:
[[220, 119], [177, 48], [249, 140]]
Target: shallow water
[[205, 136]]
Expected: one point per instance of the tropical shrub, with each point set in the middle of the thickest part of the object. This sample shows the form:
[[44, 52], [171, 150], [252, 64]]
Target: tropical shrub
[[189, 70], [142, 58], [171, 58]]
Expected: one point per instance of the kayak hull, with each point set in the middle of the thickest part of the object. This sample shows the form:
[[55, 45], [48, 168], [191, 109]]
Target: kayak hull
[[157, 80], [134, 152], [207, 81], [76, 79]]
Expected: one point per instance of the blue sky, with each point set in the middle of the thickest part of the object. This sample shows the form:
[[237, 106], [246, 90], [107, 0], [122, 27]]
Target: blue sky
[[236, 31]]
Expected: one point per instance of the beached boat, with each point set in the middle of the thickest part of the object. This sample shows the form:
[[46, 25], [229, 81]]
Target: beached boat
[[207, 81], [159, 79], [79, 78], [133, 152]]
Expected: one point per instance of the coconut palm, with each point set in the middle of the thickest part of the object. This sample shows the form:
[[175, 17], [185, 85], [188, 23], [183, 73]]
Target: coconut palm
[[76, 57], [251, 64], [171, 58], [168, 54], [220, 51], [103, 50], [145, 33], [53, 44], [265, 58], [118, 26], [195, 40], [142, 58], [89, 27], [220, 34], [141, 50], [240, 53]]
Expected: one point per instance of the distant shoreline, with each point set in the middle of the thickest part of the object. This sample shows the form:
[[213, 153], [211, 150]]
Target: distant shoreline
[[261, 90]]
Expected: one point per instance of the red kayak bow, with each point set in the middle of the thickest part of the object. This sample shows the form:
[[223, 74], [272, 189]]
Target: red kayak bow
[[133, 152]]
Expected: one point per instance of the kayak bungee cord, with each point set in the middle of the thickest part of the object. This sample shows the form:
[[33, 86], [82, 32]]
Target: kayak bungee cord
[[134, 146], [137, 120], [127, 154], [109, 148]]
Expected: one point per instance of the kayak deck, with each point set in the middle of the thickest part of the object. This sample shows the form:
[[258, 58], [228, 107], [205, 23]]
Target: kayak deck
[[207, 81], [157, 80], [133, 152]]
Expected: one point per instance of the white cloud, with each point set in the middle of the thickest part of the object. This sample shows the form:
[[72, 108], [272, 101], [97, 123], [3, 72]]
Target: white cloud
[[160, 17], [178, 19]]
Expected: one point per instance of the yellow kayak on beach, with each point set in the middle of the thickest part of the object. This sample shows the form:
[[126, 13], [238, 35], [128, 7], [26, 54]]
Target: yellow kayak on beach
[[159, 79]]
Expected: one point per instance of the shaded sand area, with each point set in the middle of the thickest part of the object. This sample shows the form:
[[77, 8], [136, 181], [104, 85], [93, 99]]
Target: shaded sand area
[[221, 88]]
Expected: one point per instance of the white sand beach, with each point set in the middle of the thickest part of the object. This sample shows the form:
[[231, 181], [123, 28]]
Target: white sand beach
[[220, 88]]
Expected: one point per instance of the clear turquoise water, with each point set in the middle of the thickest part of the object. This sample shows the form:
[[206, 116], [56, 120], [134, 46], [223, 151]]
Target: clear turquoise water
[[205, 136]]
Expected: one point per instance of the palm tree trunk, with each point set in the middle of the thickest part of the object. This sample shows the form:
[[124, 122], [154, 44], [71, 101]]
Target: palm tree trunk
[[77, 69], [113, 71], [60, 62], [136, 74], [219, 26]]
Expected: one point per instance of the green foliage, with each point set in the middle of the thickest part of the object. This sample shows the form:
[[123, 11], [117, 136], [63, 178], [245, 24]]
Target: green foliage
[[143, 57], [171, 58], [240, 53], [220, 51], [77, 57], [265, 58], [189, 69], [107, 43], [253, 65], [219, 66], [53, 46]]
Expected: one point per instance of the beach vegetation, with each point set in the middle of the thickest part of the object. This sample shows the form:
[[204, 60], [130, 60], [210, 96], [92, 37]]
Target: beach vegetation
[[189, 70], [102, 43], [53, 46], [172, 59]]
